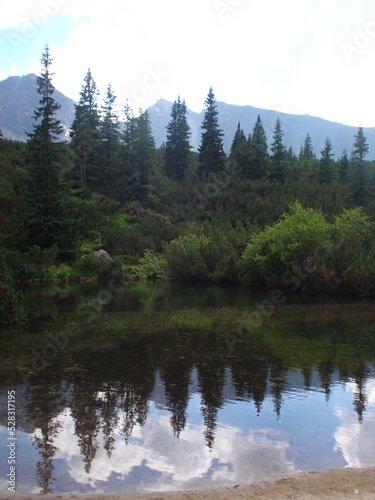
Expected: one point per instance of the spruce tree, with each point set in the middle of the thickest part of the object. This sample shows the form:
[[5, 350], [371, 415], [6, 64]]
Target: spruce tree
[[326, 163], [211, 151], [258, 151], [344, 167], [85, 133], [239, 153], [144, 148], [177, 147], [360, 150], [43, 223], [110, 137], [128, 178], [277, 167], [307, 152]]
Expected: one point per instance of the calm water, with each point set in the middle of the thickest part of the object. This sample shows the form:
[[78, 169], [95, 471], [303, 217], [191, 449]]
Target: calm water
[[161, 387]]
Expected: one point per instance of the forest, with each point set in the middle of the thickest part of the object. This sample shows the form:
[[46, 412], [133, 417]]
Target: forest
[[257, 216]]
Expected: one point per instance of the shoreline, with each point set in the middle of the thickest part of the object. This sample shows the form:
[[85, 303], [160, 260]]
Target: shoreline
[[335, 483]]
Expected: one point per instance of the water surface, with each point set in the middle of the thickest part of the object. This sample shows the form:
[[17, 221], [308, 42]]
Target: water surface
[[149, 386]]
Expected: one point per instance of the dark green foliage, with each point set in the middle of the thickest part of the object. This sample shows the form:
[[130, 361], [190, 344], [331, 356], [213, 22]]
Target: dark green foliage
[[112, 189], [85, 134], [177, 147], [144, 154], [105, 269], [49, 218], [326, 163], [239, 154], [12, 311], [258, 152], [307, 151], [278, 157], [360, 189], [344, 167], [211, 152], [110, 135]]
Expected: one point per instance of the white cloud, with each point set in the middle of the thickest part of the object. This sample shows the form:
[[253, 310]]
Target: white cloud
[[355, 440], [283, 55], [177, 464]]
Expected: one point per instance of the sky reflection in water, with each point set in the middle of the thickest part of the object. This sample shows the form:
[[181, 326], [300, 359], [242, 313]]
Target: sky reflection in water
[[179, 408]]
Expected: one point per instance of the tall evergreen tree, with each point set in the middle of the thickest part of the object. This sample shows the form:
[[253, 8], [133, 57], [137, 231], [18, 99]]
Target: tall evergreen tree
[[326, 163], [44, 200], [307, 152], [1, 134], [211, 151], [110, 136], [360, 150], [85, 132], [144, 153], [258, 151], [344, 167], [177, 147], [277, 170], [128, 179], [239, 153]]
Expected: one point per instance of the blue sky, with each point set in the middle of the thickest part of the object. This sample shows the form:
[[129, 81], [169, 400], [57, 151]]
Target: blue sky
[[299, 56]]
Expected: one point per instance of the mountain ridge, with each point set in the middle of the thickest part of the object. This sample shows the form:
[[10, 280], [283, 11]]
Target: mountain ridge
[[19, 98]]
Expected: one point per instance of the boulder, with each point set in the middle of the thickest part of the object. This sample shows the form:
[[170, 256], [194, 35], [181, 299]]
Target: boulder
[[102, 254]]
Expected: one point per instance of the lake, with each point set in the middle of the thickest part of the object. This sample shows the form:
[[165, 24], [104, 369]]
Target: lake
[[159, 386]]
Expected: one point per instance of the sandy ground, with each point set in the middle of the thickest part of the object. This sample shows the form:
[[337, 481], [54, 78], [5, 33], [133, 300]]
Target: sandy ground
[[336, 484]]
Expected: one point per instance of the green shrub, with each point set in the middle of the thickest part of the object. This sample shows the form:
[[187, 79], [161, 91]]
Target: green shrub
[[151, 266], [105, 269], [188, 258], [300, 235]]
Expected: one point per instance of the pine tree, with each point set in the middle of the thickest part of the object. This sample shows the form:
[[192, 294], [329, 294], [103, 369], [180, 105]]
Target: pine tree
[[360, 150], [239, 153], [177, 147], [85, 132], [258, 151], [326, 163], [110, 136], [307, 152], [44, 200], [344, 167], [144, 145], [277, 171], [211, 151]]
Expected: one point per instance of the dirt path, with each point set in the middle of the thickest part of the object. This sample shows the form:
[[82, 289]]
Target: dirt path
[[334, 484]]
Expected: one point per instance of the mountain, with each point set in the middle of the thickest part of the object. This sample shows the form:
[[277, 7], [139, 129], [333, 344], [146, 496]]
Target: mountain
[[18, 100], [295, 127]]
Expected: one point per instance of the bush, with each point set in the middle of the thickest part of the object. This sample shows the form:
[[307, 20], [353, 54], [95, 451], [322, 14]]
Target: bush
[[12, 311], [188, 258], [151, 266], [300, 235], [105, 269]]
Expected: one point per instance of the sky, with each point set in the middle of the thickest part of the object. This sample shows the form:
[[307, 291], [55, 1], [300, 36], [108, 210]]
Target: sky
[[311, 57]]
